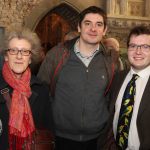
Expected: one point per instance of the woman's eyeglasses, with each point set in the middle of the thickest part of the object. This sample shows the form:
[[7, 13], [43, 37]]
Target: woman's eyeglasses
[[23, 52]]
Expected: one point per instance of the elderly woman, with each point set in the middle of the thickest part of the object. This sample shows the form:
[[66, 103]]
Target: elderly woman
[[24, 100]]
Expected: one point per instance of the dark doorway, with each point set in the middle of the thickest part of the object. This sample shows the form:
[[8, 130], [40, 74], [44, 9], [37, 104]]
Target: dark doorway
[[55, 24]]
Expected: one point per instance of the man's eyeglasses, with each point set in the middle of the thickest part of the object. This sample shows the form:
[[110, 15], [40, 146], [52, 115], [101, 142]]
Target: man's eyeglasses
[[143, 47], [23, 52]]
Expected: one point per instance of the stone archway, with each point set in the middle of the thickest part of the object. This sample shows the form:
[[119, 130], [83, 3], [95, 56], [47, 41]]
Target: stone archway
[[48, 13], [56, 24], [44, 6], [41, 10]]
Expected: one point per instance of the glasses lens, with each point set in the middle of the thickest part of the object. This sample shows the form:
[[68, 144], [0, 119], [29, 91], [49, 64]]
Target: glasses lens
[[13, 51], [16, 51], [25, 52]]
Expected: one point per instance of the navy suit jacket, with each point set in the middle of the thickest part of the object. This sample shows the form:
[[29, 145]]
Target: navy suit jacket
[[143, 118]]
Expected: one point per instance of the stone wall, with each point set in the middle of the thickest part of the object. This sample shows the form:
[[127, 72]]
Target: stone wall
[[13, 12], [121, 15], [125, 15]]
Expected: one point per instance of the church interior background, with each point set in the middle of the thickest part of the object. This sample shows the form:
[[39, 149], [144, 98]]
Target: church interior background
[[52, 19]]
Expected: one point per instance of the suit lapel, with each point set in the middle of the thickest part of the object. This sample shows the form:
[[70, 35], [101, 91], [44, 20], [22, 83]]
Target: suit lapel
[[145, 101]]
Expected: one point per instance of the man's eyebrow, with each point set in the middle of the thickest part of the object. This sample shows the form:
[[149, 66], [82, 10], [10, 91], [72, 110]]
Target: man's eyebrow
[[91, 21], [100, 22], [87, 21]]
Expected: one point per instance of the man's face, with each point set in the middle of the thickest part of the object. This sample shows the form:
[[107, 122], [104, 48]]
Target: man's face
[[139, 57], [92, 29]]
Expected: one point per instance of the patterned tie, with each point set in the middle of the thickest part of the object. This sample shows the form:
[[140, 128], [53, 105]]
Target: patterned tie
[[126, 114]]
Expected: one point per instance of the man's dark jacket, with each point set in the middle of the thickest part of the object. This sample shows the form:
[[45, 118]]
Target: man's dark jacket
[[78, 118], [143, 118]]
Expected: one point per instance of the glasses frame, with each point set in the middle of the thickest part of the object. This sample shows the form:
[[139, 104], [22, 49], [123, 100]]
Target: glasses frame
[[143, 47], [23, 52]]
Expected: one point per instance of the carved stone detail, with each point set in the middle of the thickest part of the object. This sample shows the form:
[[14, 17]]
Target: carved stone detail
[[119, 27], [136, 8], [127, 22], [128, 7]]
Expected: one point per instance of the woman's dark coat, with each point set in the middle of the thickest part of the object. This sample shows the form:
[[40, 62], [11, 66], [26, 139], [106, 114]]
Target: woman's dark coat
[[40, 107]]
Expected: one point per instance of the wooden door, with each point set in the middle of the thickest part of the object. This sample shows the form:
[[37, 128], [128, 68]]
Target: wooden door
[[59, 21]]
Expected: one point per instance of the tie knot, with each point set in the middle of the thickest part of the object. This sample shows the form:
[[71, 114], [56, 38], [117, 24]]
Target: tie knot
[[134, 77]]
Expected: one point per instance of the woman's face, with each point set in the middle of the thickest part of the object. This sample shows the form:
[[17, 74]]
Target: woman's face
[[18, 55]]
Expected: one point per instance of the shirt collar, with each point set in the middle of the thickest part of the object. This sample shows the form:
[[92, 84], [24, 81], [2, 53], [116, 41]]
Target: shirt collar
[[76, 48], [143, 73]]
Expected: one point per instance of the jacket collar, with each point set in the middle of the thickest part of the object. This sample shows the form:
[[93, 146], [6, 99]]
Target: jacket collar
[[70, 45]]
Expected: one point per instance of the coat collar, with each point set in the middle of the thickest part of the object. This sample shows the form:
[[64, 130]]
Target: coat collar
[[69, 45]]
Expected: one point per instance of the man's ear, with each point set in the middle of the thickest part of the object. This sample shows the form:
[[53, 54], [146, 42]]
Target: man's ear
[[79, 28], [105, 30]]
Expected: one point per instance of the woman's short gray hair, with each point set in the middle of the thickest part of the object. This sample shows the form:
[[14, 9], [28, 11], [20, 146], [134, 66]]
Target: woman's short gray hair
[[26, 34]]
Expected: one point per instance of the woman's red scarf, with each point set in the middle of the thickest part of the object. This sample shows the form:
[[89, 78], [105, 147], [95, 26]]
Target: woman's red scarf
[[21, 125]]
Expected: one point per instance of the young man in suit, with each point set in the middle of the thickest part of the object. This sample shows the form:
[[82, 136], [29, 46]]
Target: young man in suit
[[131, 123]]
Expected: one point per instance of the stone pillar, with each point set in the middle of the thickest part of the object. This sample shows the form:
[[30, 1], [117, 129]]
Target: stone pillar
[[147, 8], [123, 7], [111, 6], [117, 7]]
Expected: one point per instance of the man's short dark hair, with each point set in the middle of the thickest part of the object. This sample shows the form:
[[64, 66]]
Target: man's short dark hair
[[138, 30], [94, 10]]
